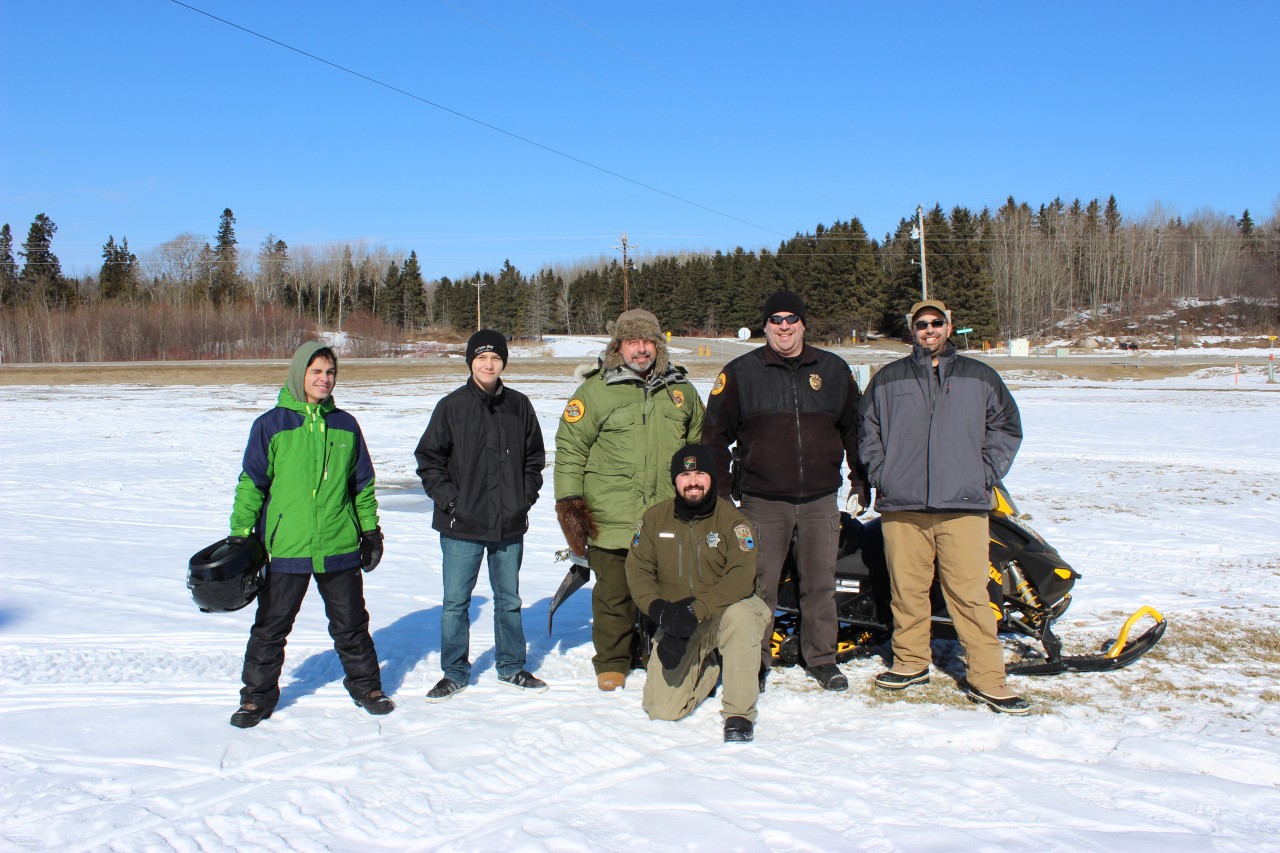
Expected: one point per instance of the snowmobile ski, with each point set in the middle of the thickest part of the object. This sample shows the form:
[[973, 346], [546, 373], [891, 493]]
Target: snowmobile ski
[[1122, 652]]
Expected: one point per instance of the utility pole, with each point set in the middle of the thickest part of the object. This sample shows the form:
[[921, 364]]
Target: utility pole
[[917, 233], [626, 301], [478, 283]]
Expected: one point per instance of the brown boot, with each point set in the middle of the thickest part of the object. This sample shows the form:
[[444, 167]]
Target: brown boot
[[610, 681]]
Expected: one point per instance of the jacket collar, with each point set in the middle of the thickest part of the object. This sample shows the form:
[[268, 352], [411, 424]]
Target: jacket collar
[[286, 400], [808, 355]]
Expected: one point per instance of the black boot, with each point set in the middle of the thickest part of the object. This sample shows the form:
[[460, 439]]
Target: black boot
[[738, 730], [376, 702], [249, 715], [829, 676]]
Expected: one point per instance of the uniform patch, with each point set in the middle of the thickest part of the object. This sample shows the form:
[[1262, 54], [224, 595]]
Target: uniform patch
[[574, 411], [677, 397], [719, 386], [746, 540], [815, 381], [689, 463], [713, 539]]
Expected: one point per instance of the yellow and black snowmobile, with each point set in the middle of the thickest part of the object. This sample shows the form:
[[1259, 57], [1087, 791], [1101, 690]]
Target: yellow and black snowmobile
[[1030, 587]]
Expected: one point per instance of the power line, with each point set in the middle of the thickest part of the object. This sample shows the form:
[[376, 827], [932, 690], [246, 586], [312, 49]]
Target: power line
[[474, 120]]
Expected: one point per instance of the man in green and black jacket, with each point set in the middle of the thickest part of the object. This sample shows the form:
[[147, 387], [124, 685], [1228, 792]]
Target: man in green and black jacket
[[306, 490]]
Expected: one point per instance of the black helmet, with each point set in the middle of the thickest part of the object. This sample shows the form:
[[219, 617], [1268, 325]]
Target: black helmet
[[226, 575]]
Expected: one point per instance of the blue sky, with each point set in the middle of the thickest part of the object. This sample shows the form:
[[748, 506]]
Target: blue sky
[[730, 124]]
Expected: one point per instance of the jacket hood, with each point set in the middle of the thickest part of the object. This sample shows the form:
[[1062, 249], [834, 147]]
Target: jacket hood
[[298, 369]]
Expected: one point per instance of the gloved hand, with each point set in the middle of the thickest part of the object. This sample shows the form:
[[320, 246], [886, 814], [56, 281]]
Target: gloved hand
[[577, 523], [859, 501], [671, 650], [371, 549], [236, 540], [677, 619]]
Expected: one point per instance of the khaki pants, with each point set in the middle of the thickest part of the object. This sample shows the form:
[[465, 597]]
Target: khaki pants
[[670, 694], [956, 543]]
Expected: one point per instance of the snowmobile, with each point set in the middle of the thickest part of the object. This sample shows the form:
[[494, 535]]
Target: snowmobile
[[1029, 585]]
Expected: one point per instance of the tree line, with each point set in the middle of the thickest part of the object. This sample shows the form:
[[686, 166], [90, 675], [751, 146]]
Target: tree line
[[1009, 272]]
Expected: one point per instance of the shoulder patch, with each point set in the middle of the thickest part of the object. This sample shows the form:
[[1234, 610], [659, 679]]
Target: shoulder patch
[[746, 539], [574, 411], [677, 397], [719, 386]]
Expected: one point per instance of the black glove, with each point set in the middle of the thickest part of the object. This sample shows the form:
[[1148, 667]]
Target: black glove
[[371, 549], [678, 619], [236, 540], [671, 650]]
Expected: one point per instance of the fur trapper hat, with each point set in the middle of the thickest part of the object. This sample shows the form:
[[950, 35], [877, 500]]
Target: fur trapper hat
[[637, 324]]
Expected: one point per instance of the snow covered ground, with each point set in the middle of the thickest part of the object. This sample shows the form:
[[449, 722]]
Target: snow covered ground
[[115, 691]]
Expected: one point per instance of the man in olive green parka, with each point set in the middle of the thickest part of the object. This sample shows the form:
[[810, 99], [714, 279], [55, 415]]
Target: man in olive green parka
[[613, 452]]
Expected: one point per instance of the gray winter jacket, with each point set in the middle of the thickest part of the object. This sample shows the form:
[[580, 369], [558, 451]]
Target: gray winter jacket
[[937, 440]]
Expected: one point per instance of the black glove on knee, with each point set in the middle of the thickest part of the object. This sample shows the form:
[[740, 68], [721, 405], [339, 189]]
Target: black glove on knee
[[677, 619]]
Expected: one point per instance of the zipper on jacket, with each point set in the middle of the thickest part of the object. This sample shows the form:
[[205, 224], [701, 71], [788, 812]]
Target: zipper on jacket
[[795, 407], [272, 540]]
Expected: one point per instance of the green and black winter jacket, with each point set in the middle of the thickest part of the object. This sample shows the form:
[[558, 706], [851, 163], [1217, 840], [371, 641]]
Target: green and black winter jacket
[[306, 486]]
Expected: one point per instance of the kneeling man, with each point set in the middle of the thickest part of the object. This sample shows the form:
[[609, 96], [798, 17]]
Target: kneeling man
[[692, 568]]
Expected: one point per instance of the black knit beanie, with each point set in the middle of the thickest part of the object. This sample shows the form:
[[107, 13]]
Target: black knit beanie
[[785, 302], [487, 340], [694, 457]]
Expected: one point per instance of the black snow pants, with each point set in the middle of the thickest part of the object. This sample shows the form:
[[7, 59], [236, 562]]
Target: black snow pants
[[278, 605]]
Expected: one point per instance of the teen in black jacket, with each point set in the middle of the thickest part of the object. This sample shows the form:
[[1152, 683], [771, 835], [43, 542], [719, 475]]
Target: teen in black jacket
[[481, 460]]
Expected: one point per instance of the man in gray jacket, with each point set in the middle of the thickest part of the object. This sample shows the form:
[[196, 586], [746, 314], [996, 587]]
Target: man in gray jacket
[[937, 431]]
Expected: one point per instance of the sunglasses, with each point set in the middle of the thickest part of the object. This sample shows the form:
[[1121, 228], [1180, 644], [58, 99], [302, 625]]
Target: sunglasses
[[779, 319], [921, 325]]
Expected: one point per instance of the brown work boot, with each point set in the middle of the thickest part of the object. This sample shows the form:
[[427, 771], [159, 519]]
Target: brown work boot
[[610, 681]]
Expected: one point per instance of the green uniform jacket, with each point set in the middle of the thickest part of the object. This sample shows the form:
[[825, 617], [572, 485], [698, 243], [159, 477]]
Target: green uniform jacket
[[615, 442], [712, 559], [307, 486]]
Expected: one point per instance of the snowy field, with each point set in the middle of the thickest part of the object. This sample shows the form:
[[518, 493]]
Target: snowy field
[[115, 691]]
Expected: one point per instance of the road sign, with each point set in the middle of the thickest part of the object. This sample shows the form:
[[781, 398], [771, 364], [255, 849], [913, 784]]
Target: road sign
[[964, 331]]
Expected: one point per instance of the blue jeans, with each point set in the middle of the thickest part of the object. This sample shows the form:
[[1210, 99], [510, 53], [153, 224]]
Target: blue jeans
[[461, 567]]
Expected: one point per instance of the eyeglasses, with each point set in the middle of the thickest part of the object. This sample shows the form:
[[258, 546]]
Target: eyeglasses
[[779, 319], [921, 325]]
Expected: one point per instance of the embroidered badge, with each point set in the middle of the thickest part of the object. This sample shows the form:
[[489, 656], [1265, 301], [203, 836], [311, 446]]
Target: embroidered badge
[[719, 386], [677, 397], [746, 541], [713, 539], [689, 463], [815, 381], [574, 411]]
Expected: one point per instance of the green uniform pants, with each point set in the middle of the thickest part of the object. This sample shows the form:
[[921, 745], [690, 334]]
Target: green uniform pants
[[613, 613]]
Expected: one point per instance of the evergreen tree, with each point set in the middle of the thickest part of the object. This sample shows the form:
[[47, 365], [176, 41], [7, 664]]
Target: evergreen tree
[[118, 278], [41, 279], [412, 293], [392, 302], [274, 269], [226, 284], [8, 267], [967, 287]]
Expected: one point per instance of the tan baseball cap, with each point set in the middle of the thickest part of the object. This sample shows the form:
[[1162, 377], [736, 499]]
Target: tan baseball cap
[[935, 304]]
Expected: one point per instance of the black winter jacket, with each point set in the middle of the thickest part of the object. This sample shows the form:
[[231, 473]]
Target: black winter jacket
[[795, 421], [482, 454], [937, 440]]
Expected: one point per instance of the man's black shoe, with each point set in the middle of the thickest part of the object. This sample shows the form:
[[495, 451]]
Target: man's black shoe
[[738, 730], [829, 676], [525, 681], [890, 680], [249, 715], [376, 702], [1007, 705], [444, 688]]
